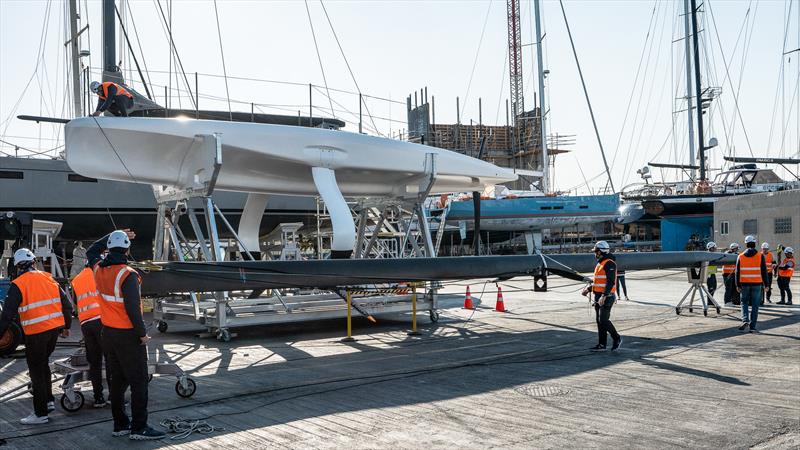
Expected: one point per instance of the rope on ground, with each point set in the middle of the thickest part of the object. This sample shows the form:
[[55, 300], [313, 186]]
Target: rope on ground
[[185, 427]]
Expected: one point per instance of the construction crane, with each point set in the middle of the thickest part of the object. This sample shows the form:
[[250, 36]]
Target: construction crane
[[515, 72]]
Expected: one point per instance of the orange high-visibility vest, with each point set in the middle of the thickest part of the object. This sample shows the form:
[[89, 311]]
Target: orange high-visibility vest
[[87, 295], [789, 271], [109, 281], [103, 91], [750, 269], [728, 269], [599, 282], [40, 309], [768, 259]]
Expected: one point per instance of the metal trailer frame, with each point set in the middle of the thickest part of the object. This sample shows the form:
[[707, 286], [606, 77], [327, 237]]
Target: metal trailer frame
[[72, 376], [697, 287], [220, 311]]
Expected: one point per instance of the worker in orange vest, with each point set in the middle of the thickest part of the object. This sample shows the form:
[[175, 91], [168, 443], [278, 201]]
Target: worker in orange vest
[[751, 278], [785, 272], [45, 313], [731, 294], [112, 98], [124, 334], [770, 269], [604, 289], [88, 300]]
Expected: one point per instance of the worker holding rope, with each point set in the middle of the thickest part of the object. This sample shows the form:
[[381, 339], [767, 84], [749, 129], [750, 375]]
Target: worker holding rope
[[604, 288], [112, 98]]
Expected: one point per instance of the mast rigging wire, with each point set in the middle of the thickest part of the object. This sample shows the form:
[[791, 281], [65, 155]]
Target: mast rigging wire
[[174, 50], [222, 55], [586, 94], [319, 58], [475, 62], [347, 63]]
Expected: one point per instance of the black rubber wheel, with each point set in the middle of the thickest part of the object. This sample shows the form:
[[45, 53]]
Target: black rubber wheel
[[434, 315], [718, 310], [72, 406], [224, 335], [191, 387], [11, 339], [162, 326], [691, 310], [678, 311], [705, 312]]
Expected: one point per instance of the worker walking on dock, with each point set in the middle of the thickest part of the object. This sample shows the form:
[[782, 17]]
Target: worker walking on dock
[[44, 313], [751, 277], [785, 272], [112, 98], [604, 289], [711, 280], [731, 293], [124, 334], [88, 300]]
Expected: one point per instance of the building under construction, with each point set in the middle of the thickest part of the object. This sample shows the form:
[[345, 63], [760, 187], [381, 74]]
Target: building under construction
[[514, 146]]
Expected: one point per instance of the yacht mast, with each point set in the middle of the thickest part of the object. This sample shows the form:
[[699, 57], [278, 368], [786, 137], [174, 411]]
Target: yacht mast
[[77, 104], [698, 93], [689, 106], [542, 109]]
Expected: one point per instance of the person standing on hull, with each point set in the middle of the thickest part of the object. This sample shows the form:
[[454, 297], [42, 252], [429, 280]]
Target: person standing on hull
[[711, 281], [45, 313], [89, 301], [785, 272], [124, 334], [770, 269], [604, 288], [731, 294], [112, 98], [751, 277]]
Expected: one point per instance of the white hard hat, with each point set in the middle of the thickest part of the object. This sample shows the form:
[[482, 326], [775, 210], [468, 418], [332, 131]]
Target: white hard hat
[[94, 86], [750, 239], [788, 250], [711, 245], [765, 245], [23, 255], [733, 245], [602, 246], [118, 239]]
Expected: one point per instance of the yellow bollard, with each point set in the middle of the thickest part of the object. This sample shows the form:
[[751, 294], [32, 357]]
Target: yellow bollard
[[413, 331], [349, 337]]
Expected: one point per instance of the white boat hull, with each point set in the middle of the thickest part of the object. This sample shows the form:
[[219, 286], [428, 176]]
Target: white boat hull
[[271, 159]]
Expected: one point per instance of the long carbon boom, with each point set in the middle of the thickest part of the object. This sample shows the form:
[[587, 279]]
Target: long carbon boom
[[175, 277]]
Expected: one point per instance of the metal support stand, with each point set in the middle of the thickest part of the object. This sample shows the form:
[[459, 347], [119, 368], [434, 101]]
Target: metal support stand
[[697, 279]]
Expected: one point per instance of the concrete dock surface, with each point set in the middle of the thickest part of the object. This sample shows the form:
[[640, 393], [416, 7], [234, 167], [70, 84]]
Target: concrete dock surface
[[476, 379]]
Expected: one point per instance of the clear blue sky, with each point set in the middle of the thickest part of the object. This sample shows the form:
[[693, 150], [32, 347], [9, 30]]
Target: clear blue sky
[[395, 47]]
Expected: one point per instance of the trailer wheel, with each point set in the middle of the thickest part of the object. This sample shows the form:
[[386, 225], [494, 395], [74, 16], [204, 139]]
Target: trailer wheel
[[188, 391], [71, 406], [678, 311], [224, 335], [162, 326], [705, 312], [718, 310], [434, 315], [11, 339]]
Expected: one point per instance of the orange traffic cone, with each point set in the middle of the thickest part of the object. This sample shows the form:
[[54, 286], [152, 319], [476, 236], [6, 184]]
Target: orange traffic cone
[[468, 300], [500, 306]]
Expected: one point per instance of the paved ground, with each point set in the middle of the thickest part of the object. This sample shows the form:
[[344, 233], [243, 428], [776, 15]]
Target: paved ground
[[522, 379]]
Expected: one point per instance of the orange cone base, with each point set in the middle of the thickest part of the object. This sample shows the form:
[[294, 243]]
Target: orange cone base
[[500, 306]]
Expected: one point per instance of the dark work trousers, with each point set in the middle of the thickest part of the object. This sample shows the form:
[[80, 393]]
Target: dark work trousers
[[603, 318], [621, 287], [38, 348], [731, 294], [121, 106], [764, 292], [783, 286], [711, 283], [126, 365], [94, 354]]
